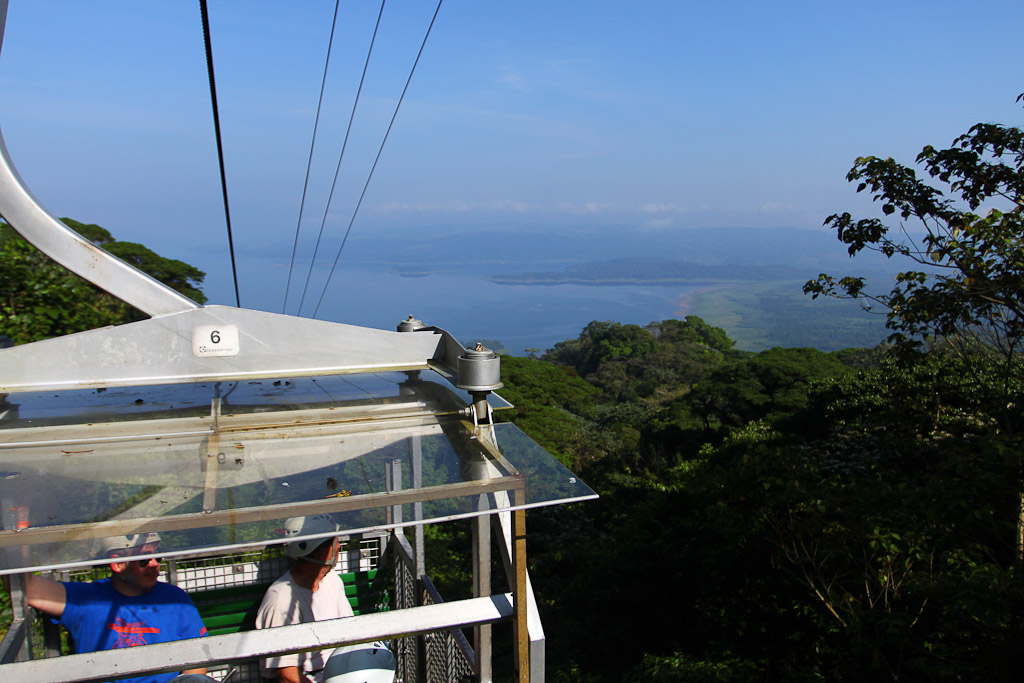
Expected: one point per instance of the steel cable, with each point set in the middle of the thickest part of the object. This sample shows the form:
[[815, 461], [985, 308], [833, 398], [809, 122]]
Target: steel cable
[[220, 146], [344, 144], [377, 159], [309, 163]]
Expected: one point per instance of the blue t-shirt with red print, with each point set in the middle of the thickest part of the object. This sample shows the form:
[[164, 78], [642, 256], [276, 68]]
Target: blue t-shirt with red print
[[99, 618]]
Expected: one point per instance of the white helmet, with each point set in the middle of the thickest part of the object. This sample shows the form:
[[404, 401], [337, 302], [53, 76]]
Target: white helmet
[[116, 545], [307, 526], [365, 663]]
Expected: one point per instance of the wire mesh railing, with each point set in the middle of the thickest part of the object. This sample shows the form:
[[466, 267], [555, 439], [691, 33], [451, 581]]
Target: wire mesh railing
[[448, 655], [407, 650], [439, 656]]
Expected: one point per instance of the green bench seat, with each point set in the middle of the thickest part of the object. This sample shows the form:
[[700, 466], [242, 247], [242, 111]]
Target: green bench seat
[[233, 609]]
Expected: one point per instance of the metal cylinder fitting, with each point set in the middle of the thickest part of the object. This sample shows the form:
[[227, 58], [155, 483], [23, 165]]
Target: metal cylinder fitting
[[479, 369], [411, 324]]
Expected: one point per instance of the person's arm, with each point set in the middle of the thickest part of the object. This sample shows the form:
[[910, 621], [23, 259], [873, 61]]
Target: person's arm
[[46, 595], [291, 674]]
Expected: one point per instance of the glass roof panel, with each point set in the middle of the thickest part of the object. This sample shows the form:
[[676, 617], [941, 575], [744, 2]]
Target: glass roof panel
[[375, 451], [172, 400]]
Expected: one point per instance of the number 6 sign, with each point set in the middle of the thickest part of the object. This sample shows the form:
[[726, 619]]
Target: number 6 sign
[[214, 340]]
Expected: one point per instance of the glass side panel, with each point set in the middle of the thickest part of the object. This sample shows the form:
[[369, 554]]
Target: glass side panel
[[213, 488]]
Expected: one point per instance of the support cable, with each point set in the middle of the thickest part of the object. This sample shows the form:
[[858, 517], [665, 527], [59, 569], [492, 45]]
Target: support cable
[[220, 146], [379, 152], [309, 163], [344, 144]]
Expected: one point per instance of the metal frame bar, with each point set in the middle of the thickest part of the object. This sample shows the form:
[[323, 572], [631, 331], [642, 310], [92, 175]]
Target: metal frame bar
[[481, 587], [16, 643], [26, 215], [167, 350], [13, 644], [200, 652], [534, 627], [196, 520]]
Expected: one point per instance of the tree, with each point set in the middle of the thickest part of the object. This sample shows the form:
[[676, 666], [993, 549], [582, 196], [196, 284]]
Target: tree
[[551, 404], [967, 292], [771, 385], [41, 299], [176, 274], [968, 284]]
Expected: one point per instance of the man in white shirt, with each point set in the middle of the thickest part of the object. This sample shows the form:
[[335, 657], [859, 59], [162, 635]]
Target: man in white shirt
[[309, 591]]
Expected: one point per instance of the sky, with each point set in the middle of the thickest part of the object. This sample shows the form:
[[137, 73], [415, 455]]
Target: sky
[[536, 115]]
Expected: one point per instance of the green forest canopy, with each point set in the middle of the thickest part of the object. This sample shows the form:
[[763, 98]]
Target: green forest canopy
[[40, 299]]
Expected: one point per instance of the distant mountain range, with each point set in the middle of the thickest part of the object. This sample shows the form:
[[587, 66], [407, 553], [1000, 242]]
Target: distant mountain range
[[549, 255]]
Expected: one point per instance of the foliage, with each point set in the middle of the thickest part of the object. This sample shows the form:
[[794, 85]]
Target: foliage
[[551, 403], [629, 362], [867, 537], [770, 385], [6, 613], [681, 667], [969, 281], [40, 299]]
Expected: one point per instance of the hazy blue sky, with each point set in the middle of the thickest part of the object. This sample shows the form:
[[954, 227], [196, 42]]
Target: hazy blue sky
[[664, 115]]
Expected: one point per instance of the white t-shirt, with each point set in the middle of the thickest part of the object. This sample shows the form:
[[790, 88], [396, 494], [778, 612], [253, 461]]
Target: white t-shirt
[[286, 602]]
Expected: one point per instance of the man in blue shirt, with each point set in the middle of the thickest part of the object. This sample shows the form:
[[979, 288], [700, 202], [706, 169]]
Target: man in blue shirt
[[130, 608]]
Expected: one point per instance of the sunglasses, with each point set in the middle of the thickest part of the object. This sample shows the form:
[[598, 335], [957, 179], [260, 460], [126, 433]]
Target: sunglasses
[[145, 563]]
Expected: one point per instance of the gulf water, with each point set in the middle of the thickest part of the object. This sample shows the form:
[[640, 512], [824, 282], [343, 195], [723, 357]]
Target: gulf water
[[473, 308]]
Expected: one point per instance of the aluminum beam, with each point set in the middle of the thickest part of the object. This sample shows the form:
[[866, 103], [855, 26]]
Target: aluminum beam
[[537, 639], [26, 215], [211, 344], [208, 652]]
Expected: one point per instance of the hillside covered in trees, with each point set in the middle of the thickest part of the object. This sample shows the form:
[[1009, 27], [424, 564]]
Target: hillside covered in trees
[[787, 515], [797, 515]]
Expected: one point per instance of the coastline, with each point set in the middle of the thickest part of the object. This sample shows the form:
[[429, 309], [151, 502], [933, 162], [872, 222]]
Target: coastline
[[685, 303]]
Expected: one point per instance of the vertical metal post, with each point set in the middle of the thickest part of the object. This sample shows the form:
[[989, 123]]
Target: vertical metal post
[[353, 553], [393, 476], [172, 571], [213, 458], [519, 590], [416, 450], [393, 481], [21, 613], [51, 631], [482, 588], [14, 514]]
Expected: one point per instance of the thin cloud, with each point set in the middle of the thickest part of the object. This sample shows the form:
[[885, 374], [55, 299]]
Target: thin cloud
[[460, 206], [513, 79]]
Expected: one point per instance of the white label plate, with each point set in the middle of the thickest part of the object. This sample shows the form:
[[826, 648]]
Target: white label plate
[[214, 340]]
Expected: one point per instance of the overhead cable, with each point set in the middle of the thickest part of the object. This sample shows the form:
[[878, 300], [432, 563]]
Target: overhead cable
[[377, 159], [344, 144], [220, 146], [309, 163]]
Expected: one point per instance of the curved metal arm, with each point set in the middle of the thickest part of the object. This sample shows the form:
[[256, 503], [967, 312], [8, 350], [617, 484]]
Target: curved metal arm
[[26, 215]]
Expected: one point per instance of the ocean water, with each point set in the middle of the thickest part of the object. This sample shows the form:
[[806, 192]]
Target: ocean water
[[471, 308]]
